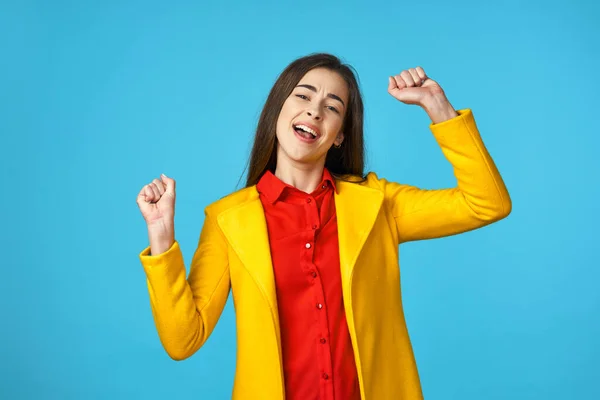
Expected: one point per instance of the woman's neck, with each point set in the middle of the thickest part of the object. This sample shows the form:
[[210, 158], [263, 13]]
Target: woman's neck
[[305, 177]]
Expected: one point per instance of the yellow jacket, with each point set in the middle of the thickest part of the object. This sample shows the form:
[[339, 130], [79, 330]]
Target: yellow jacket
[[374, 217]]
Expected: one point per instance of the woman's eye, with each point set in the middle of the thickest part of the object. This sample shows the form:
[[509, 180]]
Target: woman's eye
[[304, 97]]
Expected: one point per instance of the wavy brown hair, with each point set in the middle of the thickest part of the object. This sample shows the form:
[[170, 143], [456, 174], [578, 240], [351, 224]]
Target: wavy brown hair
[[348, 159]]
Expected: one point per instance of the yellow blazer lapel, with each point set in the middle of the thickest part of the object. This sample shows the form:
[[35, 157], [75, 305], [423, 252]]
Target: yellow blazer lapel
[[245, 227], [357, 208]]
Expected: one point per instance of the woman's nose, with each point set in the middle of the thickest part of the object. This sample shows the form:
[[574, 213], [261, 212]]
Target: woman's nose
[[314, 114]]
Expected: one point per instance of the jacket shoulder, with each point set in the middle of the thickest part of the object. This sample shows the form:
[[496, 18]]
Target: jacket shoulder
[[232, 200], [371, 180]]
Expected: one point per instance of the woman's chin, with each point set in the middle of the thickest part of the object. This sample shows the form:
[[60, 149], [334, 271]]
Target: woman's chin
[[301, 156]]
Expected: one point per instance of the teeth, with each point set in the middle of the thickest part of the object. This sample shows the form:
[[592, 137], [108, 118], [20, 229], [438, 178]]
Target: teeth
[[307, 129]]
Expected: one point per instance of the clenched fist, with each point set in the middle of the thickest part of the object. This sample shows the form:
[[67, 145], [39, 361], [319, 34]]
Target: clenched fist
[[413, 86], [156, 200]]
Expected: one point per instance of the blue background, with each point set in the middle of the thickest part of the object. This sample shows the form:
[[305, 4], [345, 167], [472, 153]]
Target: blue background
[[97, 98]]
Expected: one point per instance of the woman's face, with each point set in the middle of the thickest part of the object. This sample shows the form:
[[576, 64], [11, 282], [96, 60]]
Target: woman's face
[[311, 118]]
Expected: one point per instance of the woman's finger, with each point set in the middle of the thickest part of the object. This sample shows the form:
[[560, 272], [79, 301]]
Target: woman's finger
[[149, 193], [155, 190], [400, 82], [415, 76], [410, 82], [161, 186]]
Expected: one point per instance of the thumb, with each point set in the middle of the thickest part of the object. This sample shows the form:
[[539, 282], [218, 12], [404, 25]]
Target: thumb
[[170, 184]]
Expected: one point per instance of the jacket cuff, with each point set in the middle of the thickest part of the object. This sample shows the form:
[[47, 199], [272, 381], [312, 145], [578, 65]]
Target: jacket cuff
[[451, 130], [172, 255]]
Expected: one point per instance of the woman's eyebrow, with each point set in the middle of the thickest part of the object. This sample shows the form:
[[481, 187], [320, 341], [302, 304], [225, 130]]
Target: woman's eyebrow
[[331, 95]]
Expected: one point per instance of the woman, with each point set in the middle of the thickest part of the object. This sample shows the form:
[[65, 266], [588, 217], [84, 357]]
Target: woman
[[309, 248]]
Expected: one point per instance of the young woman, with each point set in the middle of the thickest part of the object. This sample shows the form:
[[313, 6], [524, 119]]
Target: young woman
[[309, 248]]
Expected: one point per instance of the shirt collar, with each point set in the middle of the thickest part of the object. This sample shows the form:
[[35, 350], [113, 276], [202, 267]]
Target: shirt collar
[[273, 187]]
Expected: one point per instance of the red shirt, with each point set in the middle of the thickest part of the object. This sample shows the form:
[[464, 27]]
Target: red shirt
[[318, 361]]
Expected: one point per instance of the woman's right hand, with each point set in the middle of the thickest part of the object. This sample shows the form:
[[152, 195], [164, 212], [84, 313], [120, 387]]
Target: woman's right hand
[[156, 200]]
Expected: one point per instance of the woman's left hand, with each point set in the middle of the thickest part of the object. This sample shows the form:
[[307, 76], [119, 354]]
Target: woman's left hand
[[413, 86]]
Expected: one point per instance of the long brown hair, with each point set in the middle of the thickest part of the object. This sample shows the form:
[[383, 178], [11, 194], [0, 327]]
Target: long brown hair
[[341, 162]]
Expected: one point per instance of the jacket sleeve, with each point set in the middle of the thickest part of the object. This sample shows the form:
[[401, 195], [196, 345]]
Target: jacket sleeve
[[186, 311], [479, 198]]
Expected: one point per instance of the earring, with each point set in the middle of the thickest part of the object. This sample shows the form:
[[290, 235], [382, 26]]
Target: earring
[[337, 146]]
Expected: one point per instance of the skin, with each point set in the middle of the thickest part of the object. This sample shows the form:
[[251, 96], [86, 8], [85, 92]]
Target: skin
[[300, 164]]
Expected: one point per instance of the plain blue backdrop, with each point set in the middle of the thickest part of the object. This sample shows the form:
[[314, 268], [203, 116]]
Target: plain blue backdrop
[[97, 98]]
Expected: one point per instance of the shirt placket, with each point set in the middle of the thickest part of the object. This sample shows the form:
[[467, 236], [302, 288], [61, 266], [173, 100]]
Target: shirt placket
[[322, 327]]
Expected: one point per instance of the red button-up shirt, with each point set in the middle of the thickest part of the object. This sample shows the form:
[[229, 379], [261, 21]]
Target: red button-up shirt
[[318, 361]]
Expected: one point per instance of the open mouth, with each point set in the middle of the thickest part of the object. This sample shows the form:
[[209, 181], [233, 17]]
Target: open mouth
[[305, 132]]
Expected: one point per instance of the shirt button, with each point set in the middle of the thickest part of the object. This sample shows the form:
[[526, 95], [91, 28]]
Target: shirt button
[[325, 376], [307, 245], [319, 306], [314, 227], [314, 274], [308, 200], [324, 187], [323, 340]]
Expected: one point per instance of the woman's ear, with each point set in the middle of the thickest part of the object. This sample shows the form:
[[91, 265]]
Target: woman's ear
[[339, 139]]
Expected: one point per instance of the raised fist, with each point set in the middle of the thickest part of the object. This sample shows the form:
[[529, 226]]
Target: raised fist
[[156, 200]]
